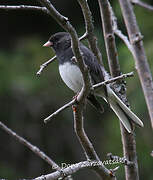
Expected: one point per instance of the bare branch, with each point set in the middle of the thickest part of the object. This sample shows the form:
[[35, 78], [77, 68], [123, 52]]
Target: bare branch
[[131, 74], [142, 4], [122, 160], [70, 170], [141, 62], [84, 36], [60, 19], [109, 38], [33, 148], [46, 120], [125, 39], [90, 29], [44, 65], [24, 7], [119, 32], [87, 145]]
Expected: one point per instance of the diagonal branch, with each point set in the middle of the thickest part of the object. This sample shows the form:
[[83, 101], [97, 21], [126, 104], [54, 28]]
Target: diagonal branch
[[131, 74], [33, 148], [44, 65], [142, 4], [90, 29], [46, 120], [119, 32], [87, 145], [70, 169]]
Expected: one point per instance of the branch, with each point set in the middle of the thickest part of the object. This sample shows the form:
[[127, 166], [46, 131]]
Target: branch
[[46, 120], [33, 148], [44, 65], [109, 38], [90, 29], [141, 62], [119, 32], [128, 140], [131, 74], [24, 7], [71, 169], [142, 4], [87, 145], [122, 160]]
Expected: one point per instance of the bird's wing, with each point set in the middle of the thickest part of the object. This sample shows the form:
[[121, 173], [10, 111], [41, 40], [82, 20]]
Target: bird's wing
[[93, 65], [97, 72], [94, 102]]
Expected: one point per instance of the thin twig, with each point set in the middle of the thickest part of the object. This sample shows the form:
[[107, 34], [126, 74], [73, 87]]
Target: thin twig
[[83, 37], [125, 39], [142, 4], [119, 32], [70, 169], [122, 160], [44, 65], [90, 29], [131, 74], [46, 120], [60, 19], [33, 148], [24, 7], [86, 143]]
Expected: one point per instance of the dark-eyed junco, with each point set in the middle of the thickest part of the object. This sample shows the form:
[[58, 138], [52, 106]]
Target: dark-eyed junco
[[72, 76]]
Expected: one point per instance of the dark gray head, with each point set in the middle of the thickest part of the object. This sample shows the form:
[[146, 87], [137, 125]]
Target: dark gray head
[[59, 41]]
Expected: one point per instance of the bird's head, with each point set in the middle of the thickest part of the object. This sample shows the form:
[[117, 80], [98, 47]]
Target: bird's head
[[59, 41]]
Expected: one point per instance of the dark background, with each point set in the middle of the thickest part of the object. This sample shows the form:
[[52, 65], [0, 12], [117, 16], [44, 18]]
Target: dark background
[[25, 99]]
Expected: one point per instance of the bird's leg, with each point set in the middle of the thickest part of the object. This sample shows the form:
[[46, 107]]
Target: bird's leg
[[75, 97], [76, 101]]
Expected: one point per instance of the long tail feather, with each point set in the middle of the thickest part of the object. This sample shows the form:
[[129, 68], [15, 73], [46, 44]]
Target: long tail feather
[[121, 110], [128, 112], [122, 116]]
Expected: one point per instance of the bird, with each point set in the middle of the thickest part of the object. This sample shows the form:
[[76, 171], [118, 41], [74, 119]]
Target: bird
[[70, 73]]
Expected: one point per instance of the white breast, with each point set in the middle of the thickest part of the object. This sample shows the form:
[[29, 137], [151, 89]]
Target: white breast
[[72, 76]]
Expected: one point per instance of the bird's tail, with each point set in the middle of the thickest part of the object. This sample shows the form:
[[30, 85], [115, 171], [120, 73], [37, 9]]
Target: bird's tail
[[124, 114]]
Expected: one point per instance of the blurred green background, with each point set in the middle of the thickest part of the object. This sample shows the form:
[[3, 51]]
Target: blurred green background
[[25, 99]]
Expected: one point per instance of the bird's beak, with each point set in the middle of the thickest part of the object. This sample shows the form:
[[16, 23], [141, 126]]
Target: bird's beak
[[48, 44]]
